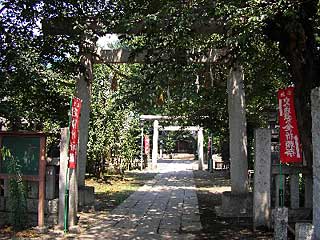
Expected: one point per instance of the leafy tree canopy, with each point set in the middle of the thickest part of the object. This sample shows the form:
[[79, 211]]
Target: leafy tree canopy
[[276, 41]]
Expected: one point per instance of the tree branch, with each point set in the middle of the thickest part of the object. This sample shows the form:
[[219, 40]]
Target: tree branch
[[117, 71], [2, 9]]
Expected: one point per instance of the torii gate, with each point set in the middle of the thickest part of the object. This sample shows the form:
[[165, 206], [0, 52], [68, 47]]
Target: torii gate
[[157, 128], [89, 55], [199, 131]]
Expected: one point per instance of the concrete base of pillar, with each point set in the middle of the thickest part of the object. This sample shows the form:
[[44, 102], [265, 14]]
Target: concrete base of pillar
[[280, 217], [85, 196], [235, 205]]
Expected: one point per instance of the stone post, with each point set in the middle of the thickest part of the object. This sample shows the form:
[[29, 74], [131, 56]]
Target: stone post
[[73, 200], [238, 132], [262, 178], [200, 148], [62, 174], [83, 91], [155, 144], [308, 191], [315, 112], [294, 191], [73, 186], [50, 182], [304, 231], [277, 180], [280, 223]]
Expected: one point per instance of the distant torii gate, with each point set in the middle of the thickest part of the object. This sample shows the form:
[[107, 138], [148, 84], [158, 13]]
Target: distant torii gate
[[156, 128]]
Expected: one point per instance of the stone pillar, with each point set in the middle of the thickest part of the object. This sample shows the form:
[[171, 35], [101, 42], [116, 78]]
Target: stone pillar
[[294, 191], [200, 148], [155, 144], [280, 223], [262, 178], [315, 112], [83, 91], [62, 174], [73, 200], [238, 132], [308, 191], [50, 182], [72, 182], [304, 231], [277, 180]]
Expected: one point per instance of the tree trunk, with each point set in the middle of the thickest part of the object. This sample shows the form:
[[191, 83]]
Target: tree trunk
[[302, 60], [297, 44]]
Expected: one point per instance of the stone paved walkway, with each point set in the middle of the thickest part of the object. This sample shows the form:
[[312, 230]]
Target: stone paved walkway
[[164, 208]]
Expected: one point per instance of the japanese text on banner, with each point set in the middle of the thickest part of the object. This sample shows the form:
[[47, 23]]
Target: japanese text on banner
[[290, 148], [74, 131]]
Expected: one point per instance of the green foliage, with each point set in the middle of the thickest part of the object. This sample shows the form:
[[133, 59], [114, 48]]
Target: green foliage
[[264, 36], [169, 143], [114, 127], [17, 193], [169, 140]]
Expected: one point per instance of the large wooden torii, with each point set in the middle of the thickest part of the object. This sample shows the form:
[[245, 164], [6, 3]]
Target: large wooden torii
[[119, 56], [90, 55]]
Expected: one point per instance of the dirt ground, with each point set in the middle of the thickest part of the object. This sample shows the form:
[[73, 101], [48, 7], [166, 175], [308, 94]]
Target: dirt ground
[[109, 193], [209, 190]]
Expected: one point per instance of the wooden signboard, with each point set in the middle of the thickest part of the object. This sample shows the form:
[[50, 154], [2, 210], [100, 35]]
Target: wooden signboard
[[28, 149]]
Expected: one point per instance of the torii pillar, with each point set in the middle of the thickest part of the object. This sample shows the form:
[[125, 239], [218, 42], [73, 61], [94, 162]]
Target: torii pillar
[[200, 148], [238, 202], [238, 131], [155, 144]]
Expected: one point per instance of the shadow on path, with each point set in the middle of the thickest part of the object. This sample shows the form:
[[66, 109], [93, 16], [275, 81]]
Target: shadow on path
[[164, 208], [209, 190]]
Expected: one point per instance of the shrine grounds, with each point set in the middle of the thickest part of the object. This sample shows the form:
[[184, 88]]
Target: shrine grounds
[[111, 191]]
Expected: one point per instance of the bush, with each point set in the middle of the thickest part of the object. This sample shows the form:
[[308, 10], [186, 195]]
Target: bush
[[17, 193]]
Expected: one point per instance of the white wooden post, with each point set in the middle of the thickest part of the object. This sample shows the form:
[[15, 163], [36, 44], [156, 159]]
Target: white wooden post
[[200, 148], [155, 144]]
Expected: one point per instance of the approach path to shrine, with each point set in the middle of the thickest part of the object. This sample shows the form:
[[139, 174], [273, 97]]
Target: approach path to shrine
[[164, 208]]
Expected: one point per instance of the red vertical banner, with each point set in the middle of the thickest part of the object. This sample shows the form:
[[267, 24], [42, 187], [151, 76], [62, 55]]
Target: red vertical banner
[[74, 132], [290, 148], [146, 145]]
